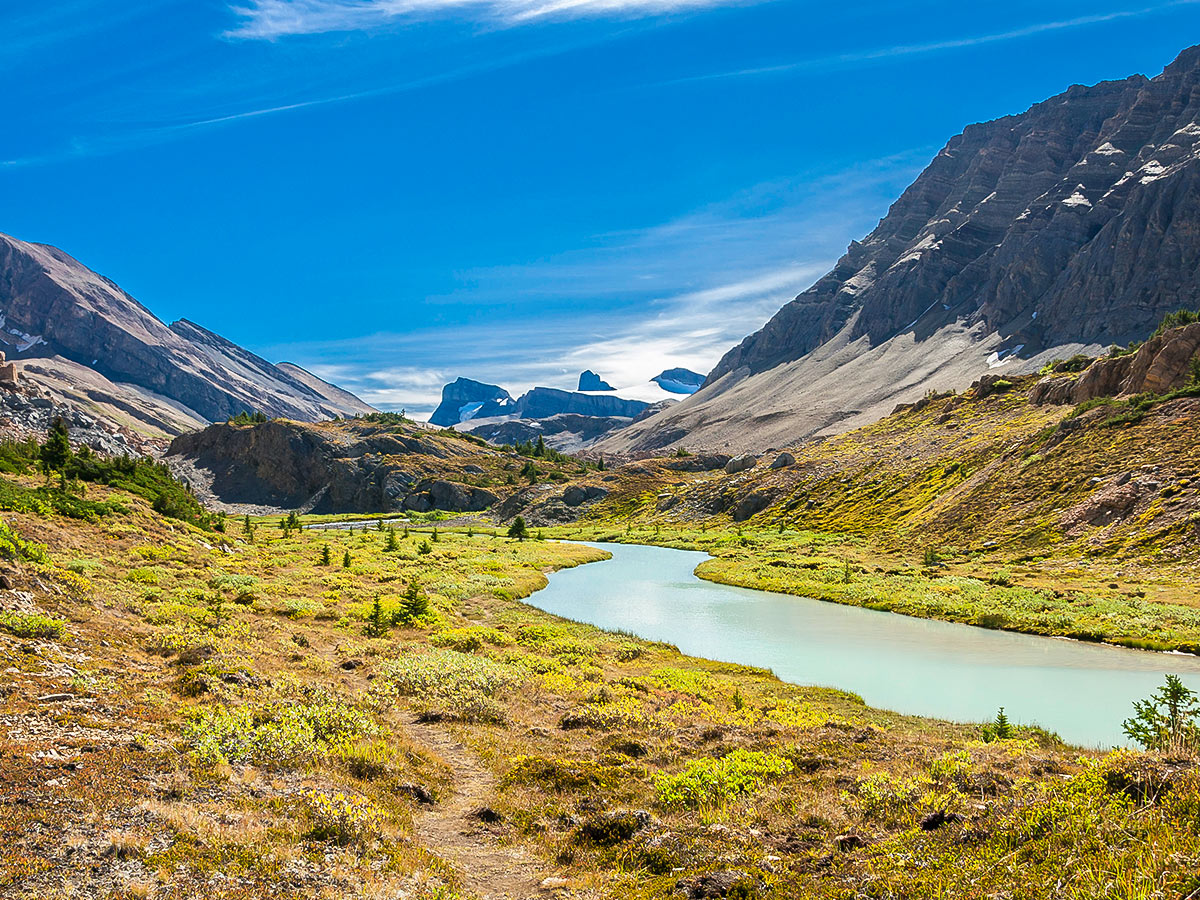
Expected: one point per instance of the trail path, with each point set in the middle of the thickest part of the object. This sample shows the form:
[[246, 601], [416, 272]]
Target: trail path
[[448, 829]]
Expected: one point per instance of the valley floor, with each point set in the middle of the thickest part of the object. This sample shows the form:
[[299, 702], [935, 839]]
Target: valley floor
[[195, 714]]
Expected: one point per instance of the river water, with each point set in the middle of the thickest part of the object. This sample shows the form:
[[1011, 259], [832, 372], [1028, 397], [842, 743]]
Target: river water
[[958, 672]]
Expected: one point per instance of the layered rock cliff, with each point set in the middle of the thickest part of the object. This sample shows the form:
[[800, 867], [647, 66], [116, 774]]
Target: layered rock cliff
[[1073, 225]]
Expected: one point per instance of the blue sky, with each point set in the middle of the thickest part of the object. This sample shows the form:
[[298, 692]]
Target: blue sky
[[397, 192]]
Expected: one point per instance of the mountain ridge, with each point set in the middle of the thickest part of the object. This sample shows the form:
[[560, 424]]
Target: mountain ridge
[[82, 327], [1067, 227]]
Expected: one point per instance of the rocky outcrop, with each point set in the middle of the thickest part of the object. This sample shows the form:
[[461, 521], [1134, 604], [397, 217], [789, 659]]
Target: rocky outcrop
[[464, 399], [783, 460], [698, 462], [590, 381], [285, 465], [1162, 364], [1070, 227], [679, 381], [52, 306]]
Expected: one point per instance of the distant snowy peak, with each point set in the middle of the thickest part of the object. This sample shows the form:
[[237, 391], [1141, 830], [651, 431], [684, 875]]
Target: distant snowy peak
[[464, 399], [679, 381], [590, 381]]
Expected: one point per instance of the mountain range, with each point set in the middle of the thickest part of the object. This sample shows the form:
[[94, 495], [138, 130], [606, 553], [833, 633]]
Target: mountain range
[[89, 344], [1070, 227]]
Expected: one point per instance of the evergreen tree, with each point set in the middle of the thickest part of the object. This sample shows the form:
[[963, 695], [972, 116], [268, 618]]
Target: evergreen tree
[[435, 534], [346, 560], [56, 452], [391, 540], [517, 529], [416, 604], [326, 556], [539, 449], [246, 526], [377, 622]]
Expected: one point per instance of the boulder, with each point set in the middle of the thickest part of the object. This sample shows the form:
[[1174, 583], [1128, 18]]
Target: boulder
[[741, 463], [783, 460]]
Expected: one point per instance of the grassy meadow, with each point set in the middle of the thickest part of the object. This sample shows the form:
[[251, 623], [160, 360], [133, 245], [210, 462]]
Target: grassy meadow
[[244, 714]]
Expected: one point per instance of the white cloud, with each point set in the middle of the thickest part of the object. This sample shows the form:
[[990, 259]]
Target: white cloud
[[636, 302], [271, 19]]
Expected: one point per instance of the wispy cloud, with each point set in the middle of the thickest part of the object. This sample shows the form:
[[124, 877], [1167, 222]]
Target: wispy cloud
[[272, 19], [690, 329], [899, 51], [680, 293]]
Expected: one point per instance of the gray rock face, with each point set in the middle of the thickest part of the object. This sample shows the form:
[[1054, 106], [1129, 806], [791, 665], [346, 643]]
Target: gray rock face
[[741, 463], [287, 466], [464, 399], [1065, 229], [1074, 222], [590, 381], [54, 306], [699, 462]]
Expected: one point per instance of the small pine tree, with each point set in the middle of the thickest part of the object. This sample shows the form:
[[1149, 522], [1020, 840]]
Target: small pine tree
[[539, 449], [600, 464], [246, 526], [346, 560], [518, 529], [435, 534], [415, 604], [392, 544], [326, 556], [377, 622], [406, 532], [56, 452], [999, 729]]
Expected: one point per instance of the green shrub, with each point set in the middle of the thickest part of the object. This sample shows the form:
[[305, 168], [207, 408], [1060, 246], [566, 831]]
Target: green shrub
[[711, 783], [470, 640], [448, 685], [279, 733], [32, 625], [13, 546]]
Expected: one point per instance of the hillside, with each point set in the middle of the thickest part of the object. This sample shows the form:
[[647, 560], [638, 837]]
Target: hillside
[[1067, 228], [94, 347], [267, 711]]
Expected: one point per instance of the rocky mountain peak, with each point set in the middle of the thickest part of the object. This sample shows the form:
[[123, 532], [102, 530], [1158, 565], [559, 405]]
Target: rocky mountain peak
[[1073, 225]]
